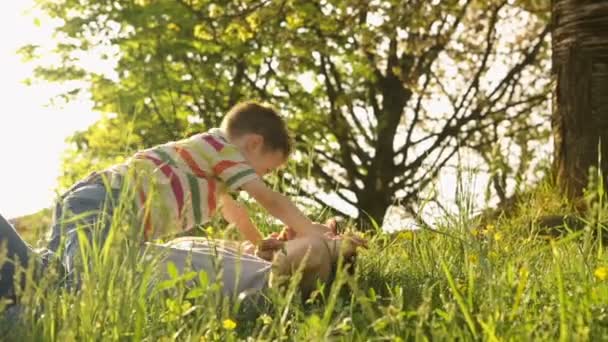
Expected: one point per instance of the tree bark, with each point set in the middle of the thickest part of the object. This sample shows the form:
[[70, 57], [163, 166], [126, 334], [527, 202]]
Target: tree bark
[[580, 114], [374, 205]]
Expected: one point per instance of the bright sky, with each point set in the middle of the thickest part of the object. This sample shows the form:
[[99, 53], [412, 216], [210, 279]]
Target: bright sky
[[32, 135]]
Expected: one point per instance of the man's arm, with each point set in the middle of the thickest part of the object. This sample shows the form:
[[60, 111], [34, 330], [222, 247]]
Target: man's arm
[[282, 208], [236, 214]]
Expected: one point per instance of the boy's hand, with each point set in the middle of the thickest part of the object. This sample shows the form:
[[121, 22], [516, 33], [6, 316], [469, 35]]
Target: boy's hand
[[270, 243], [328, 229], [286, 234], [267, 247]]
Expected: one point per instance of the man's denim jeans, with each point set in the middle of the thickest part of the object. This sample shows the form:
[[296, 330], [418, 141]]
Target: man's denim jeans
[[15, 250]]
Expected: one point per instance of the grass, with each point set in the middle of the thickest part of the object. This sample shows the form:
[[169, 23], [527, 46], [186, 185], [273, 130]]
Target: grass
[[459, 281]]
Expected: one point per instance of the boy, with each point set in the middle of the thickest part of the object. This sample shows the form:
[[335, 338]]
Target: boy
[[181, 184]]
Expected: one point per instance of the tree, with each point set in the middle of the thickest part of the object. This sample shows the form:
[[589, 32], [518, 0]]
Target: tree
[[580, 117], [383, 94]]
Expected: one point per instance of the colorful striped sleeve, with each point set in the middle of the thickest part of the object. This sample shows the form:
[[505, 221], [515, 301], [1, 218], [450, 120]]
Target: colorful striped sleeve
[[232, 168], [228, 164]]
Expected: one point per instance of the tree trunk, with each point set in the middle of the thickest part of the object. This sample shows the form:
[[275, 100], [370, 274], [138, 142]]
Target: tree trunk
[[580, 114], [373, 205]]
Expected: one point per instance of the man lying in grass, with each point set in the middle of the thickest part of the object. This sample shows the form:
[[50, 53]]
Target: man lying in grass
[[243, 267], [174, 187]]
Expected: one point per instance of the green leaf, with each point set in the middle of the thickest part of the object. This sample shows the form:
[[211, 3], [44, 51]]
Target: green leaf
[[172, 270], [195, 293], [167, 284], [203, 279]]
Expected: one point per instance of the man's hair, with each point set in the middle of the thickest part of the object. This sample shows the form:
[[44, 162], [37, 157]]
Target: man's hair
[[252, 117]]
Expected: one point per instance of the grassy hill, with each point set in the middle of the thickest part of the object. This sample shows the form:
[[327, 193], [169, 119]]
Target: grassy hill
[[458, 280]]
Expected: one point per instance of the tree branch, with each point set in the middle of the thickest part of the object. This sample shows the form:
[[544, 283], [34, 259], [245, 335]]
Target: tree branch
[[339, 130]]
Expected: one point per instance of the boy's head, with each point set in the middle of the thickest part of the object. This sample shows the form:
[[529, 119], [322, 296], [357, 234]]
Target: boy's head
[[260, 133]]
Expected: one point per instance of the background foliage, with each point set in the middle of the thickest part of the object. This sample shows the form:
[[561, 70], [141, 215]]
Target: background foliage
[[380, 95]]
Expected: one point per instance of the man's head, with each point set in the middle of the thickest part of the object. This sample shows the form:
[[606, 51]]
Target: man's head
[[260, 133], [320, 255]]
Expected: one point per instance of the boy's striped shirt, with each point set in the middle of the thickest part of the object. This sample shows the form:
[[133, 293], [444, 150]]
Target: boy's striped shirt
[[178, 183]]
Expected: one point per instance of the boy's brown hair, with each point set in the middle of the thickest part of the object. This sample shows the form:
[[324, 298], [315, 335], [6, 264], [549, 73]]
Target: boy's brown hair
[[252, 117]]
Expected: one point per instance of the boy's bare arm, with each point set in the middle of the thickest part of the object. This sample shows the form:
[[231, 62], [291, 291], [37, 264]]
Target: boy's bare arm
[[282, 208], [236, 214]]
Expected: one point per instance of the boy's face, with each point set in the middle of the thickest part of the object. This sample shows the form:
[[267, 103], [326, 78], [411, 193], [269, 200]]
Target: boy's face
[[261, 159]]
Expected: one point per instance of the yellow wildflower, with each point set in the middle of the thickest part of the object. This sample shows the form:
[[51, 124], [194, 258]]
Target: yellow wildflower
[[498, 236], [201, 33], [229, 324], [601, 273], [408, 235], [173, 27], [142, 3], [473, 258], [215, 11], [489, 229]]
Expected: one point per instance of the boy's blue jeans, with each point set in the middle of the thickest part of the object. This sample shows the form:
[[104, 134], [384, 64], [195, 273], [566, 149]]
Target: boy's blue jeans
[[87, 207]]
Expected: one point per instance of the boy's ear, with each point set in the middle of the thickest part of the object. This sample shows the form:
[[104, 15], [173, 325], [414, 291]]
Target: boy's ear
[[252, 141], [256, 140]]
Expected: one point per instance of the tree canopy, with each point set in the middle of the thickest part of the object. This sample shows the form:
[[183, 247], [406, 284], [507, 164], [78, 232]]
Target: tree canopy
[[380, 94]]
